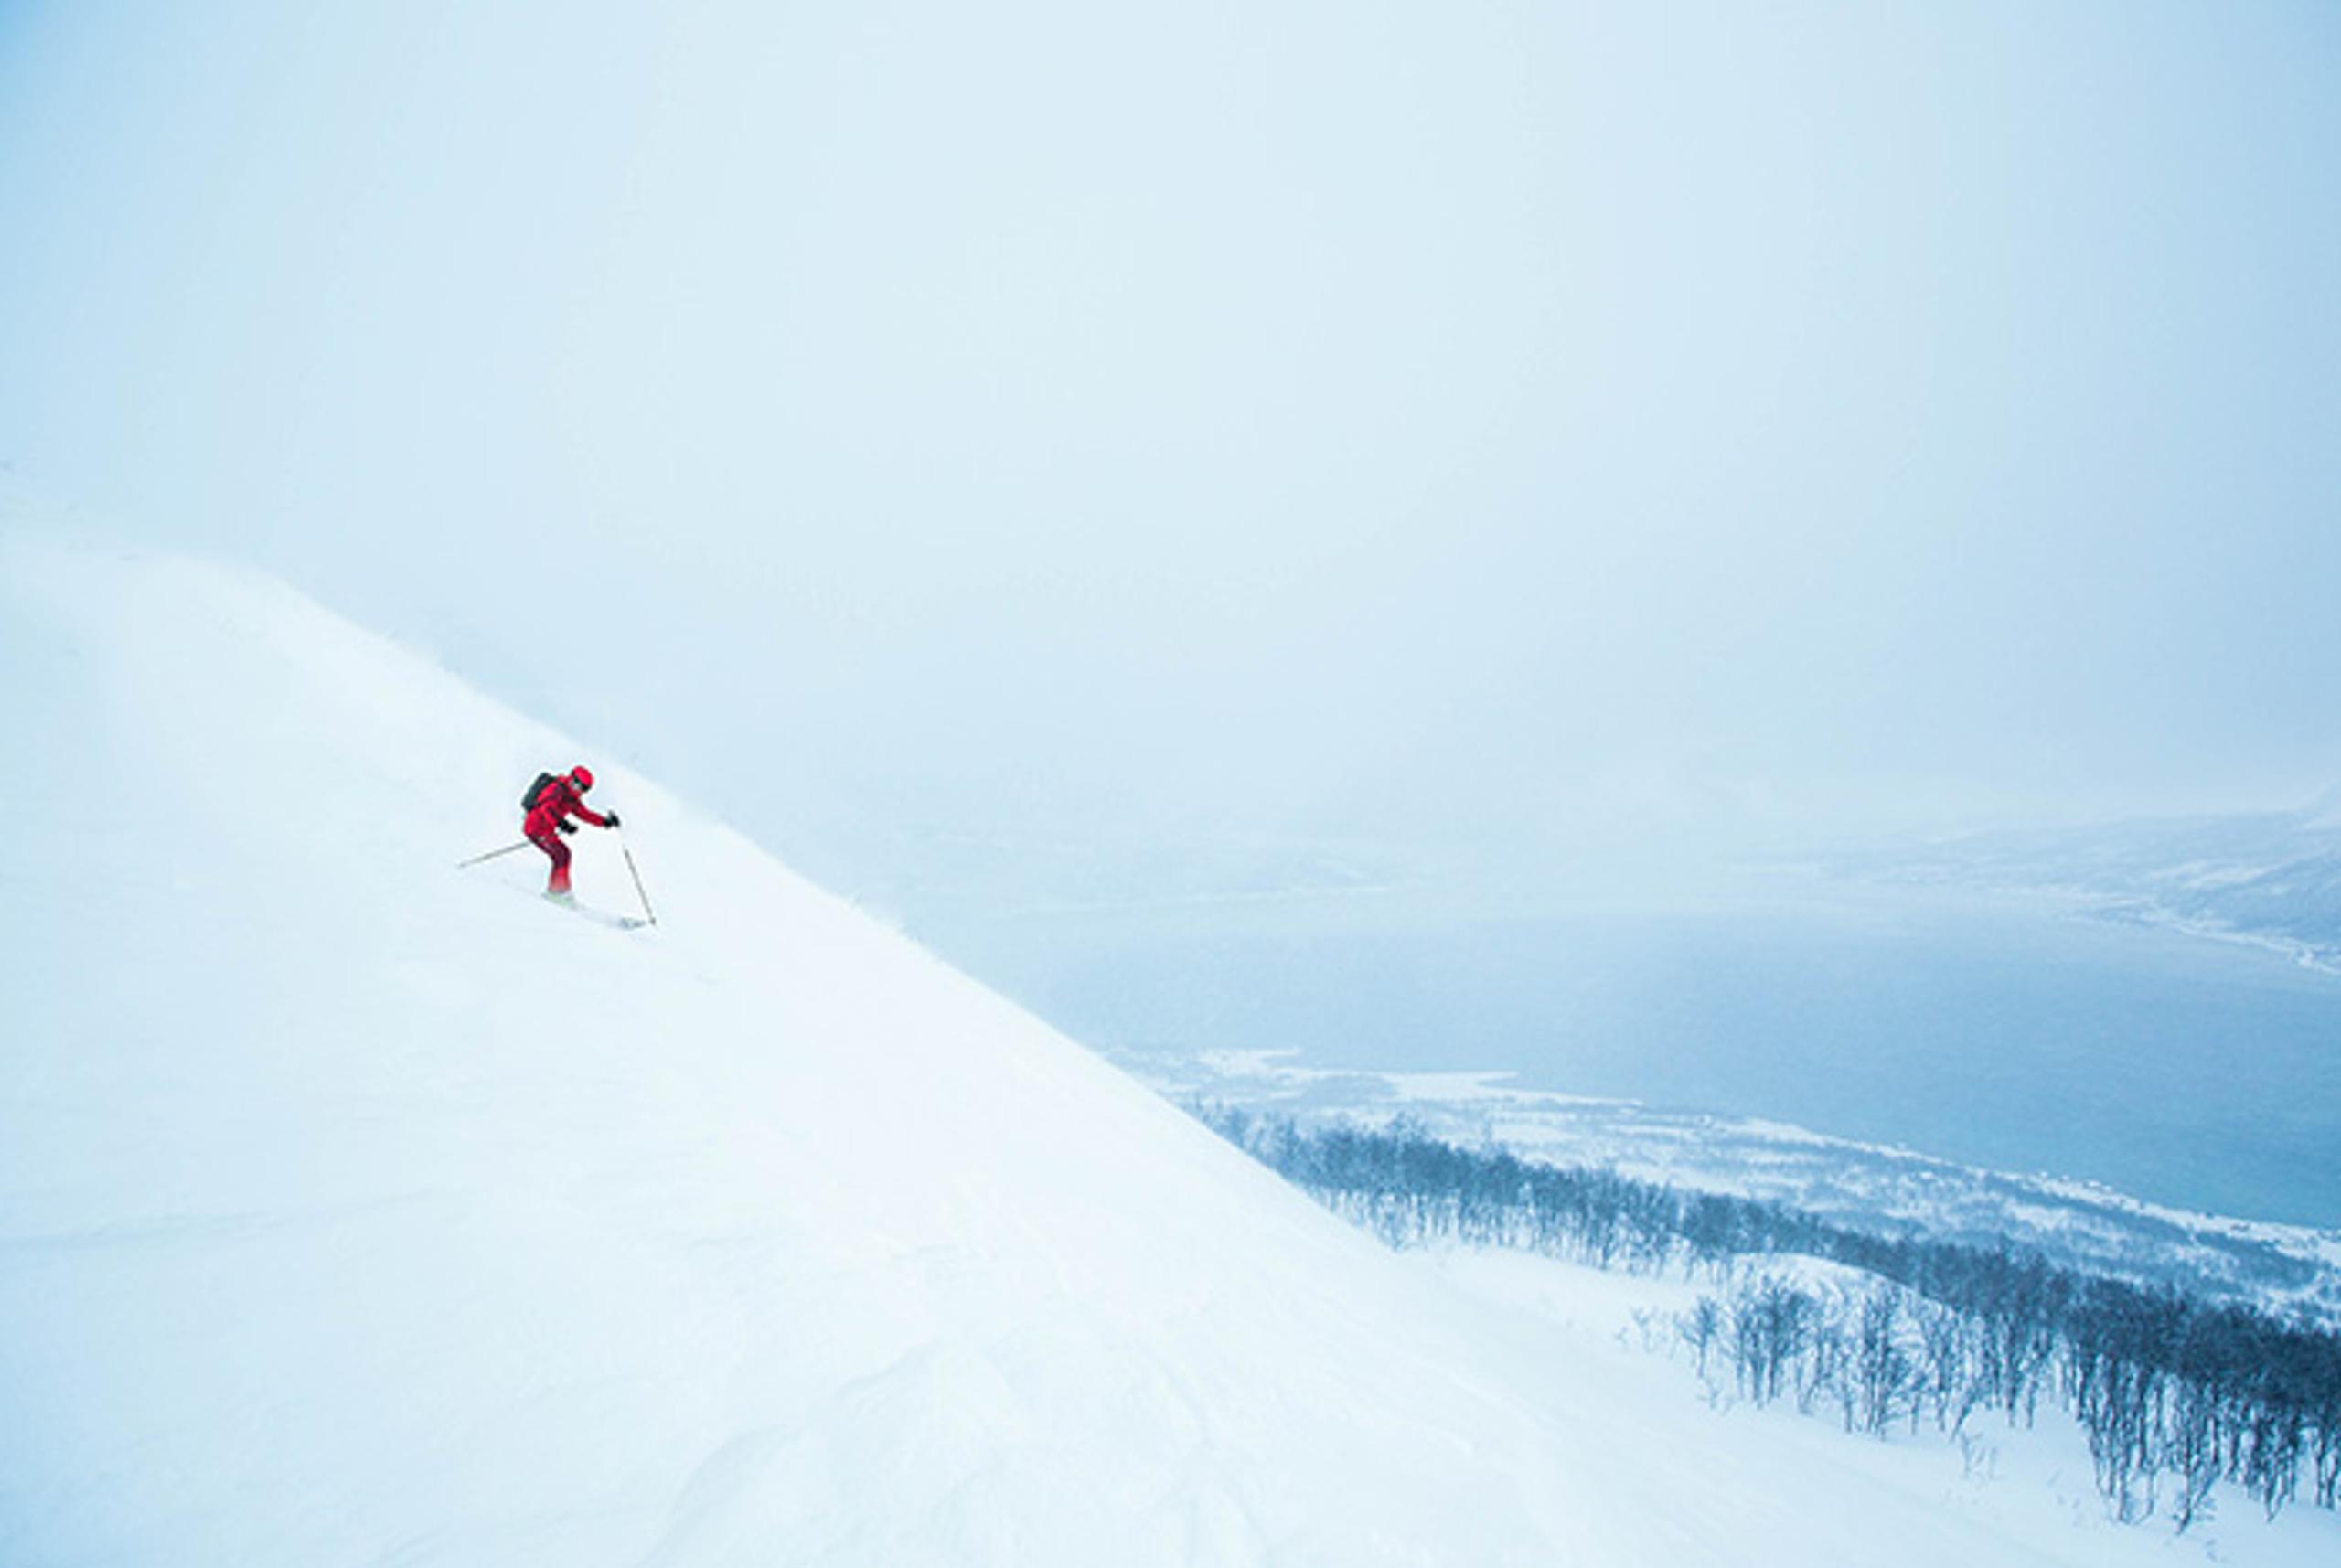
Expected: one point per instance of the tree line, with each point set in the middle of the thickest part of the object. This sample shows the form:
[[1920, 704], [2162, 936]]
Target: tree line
[[2174, 1394]]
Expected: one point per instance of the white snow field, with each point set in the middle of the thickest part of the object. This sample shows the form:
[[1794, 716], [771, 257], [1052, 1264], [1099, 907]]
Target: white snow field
[[359, 1211]]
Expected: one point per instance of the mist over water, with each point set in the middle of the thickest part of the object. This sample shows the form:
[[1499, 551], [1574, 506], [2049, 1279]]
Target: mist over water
[[1993, 1031]]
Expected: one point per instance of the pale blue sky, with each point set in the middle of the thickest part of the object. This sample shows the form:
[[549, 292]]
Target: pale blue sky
[[1545, 422]]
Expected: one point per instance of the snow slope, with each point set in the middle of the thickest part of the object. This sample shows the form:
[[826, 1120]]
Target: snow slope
[[358, 1210]]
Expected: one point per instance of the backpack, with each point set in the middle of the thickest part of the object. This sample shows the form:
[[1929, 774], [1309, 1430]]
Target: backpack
[[537, 790]]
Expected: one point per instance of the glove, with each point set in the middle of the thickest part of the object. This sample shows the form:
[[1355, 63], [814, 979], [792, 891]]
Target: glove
[[612, 817], [567, 827]]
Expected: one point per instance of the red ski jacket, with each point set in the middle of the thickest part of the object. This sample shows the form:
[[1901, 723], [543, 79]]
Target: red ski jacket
[[555, 806]]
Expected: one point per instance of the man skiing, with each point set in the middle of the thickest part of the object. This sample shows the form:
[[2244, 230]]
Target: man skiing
[[550, 802]]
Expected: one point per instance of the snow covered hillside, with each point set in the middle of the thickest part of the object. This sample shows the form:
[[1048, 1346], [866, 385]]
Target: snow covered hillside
[[2263, 879], [354, 1210]]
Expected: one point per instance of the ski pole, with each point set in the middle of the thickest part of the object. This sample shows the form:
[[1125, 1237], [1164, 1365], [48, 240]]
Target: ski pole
[[628, 850], [492, 854]]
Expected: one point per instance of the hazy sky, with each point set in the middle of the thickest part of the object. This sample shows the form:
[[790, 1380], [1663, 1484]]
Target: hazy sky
[[1541, 420]]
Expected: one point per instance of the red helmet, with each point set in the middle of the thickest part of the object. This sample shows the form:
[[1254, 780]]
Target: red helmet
[[581, 776]]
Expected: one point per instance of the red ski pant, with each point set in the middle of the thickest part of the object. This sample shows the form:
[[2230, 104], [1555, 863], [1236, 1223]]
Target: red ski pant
[[552, 846]]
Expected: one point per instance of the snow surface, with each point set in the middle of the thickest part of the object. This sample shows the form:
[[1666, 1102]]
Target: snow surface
[[356, 1210]]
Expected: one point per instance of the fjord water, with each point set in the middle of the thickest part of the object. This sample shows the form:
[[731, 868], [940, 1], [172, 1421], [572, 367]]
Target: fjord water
[[2005, 1032]]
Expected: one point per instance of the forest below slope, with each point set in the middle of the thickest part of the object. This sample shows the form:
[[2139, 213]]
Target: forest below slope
[[2175, 1395]]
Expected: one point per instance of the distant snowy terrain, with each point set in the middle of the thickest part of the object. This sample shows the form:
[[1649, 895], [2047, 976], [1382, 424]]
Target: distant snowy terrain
[[356, 1210], [2285, 1269], [2269, 879]]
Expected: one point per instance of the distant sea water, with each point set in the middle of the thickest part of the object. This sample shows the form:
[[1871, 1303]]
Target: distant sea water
[[2001, 1032]]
